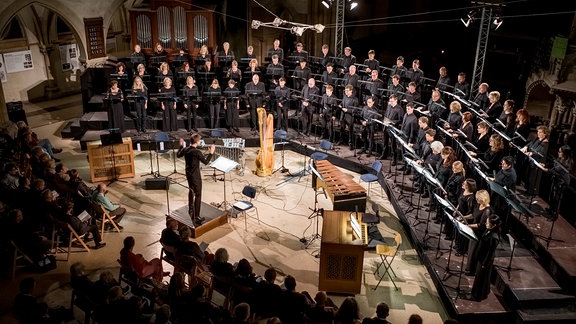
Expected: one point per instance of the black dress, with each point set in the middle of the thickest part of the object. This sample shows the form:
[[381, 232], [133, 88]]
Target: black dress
[[480, 217], [116, 110], [485, 252]]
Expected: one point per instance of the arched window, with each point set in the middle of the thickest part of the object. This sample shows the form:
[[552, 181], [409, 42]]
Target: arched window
[[12, 31]]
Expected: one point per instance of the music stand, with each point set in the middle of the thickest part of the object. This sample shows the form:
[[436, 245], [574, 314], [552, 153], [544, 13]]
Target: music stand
[[467, 232], [447, 206], [281, 135], [448, 272], [223, 165], [112, 138], [173, 145], [148, 145], [316, 213]]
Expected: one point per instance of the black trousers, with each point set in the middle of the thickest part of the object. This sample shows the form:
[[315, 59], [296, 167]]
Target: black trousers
[[140, 116], [232, 115], [191, 113], [194, 196], [282, 115], [214, 115], [307, 114]]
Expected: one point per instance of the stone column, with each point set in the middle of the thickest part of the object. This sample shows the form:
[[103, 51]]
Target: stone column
[[4, 111]]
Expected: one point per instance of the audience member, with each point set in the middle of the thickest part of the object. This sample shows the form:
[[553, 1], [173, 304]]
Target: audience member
[[382, 312]]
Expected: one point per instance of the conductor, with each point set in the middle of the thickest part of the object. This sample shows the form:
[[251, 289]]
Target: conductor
[[193, 156]]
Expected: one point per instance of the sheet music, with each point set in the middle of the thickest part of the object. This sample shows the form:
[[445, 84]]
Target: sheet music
[[84, 216], [223, 164]]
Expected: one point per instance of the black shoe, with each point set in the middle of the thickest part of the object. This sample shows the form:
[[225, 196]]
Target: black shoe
[[402, 168], [408, 172], [99, 245], [469, 274], [351, 147], [236, 129], [195, 129], [369, 154], [393, 163], [425, 195], [339, 143], [381, 157], [362, 151]]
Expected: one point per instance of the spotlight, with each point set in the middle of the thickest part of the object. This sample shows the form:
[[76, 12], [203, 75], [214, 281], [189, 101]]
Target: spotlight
[[298, 31], [256, 24], [277, 22], [353, 5], [466, 22], [469, 19], [497, 22], [326, 4], [319, 28]]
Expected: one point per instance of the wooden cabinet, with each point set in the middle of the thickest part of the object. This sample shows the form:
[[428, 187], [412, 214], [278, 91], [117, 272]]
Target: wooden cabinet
[[341, 255], [108, 162]]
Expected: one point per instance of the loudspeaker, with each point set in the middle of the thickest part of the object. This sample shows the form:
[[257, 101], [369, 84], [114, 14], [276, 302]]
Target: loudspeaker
[[161, 183]]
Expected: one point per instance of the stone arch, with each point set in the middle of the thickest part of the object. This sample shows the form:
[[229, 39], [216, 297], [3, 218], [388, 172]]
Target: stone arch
[[37, 27], [539, 100]]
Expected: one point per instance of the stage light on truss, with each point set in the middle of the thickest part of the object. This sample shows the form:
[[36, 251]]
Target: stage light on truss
[[319, 28], [353, 5], [298, 31], [469, 18], [277, 22], [256, 24], [326, 4], [497, 22]]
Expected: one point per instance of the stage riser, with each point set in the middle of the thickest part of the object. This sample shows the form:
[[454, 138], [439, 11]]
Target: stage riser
[[532, 298], [561, 276]]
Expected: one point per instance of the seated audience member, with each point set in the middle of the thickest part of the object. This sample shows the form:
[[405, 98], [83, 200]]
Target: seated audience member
[[295, 305], [104, 283], [348, 312], [67, 216], [266, 296], [141, 266], [80, 282], [162, 315], [243, 274], [32, 311], [324, 310], [11, 178], [382, 312], [26, 237], [415, 319], [118, 309], [220, 266], [115, 211], [170, 238], [241, 314], [189, 248]]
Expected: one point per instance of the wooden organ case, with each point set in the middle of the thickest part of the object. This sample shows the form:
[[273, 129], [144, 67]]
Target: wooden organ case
[[341, 253], [174, 24]]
